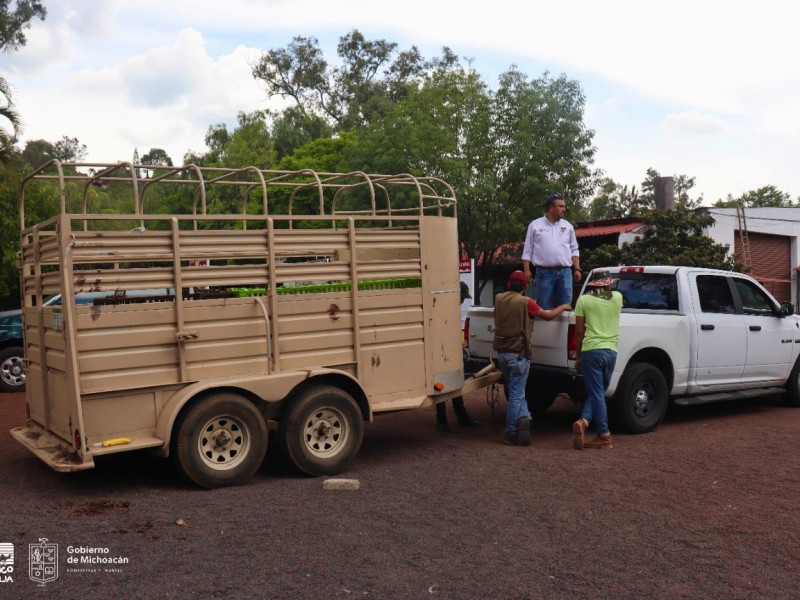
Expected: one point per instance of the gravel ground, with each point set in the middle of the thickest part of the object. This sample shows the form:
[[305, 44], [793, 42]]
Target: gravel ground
[[702, 508]]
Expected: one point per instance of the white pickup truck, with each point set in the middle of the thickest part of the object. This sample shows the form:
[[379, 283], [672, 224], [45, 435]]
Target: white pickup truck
[[687, 335]]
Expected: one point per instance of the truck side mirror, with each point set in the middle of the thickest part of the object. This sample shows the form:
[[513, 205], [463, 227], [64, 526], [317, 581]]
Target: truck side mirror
[[787, 308]]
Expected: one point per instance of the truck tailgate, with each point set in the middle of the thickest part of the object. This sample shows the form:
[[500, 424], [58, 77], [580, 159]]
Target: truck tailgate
[[550, 343]]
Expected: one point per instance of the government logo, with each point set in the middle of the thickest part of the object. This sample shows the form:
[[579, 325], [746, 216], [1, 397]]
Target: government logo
[[43, 565]]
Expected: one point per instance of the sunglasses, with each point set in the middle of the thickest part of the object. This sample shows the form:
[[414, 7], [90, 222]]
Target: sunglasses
[[555, 197]]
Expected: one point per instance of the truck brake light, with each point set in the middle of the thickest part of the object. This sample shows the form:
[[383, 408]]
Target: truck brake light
[[466, 333], [571, 348], [631, 270]]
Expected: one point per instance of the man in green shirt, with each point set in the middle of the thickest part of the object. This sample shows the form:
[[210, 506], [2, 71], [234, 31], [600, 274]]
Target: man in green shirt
[[596, 334]]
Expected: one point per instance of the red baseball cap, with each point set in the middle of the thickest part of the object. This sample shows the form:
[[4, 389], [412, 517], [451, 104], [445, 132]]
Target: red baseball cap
[[518, 280]]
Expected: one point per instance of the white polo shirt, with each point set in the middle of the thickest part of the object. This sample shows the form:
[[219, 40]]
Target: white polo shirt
[[550, 244]]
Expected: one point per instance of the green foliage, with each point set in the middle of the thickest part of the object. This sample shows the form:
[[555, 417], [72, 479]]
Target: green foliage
[[292, 128], [503, 152], [13, 24], [10, 178], [767, 195], [363, 88], [672, 237], [614, 200], [157, 156]]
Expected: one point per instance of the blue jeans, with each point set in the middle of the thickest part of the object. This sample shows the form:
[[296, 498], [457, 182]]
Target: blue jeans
[[597, 367], [515, 372], [553, 282]]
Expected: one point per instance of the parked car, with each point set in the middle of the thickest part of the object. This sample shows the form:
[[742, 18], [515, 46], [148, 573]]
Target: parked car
[[12, 352], [12, 372]]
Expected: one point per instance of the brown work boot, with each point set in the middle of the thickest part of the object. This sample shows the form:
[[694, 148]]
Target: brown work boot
[[600, 442], [510, 439], [578, 429], [524, 425]]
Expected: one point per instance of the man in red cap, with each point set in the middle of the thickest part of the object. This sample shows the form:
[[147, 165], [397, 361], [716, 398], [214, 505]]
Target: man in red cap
[[513, 326]]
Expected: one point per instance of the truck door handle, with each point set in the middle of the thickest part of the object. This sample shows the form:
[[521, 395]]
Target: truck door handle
[[755, 327], [707, 327]]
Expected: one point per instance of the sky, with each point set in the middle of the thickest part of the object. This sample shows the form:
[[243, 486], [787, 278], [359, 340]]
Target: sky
[[700, 88]]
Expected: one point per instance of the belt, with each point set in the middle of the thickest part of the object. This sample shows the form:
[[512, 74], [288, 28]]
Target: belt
[[557, 268]]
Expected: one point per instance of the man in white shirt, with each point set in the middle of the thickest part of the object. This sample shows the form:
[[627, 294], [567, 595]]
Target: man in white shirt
[[551, 248]]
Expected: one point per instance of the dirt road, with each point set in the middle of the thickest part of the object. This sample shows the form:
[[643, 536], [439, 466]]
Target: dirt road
[[705, 507]]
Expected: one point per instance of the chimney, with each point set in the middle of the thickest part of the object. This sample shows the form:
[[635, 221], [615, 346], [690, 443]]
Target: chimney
[[665, 193]]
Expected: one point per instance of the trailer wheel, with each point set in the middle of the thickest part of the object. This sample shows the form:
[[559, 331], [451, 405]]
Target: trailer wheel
[[12, 370], [540, 393], [220, 441], [641, 399], [322, 430]]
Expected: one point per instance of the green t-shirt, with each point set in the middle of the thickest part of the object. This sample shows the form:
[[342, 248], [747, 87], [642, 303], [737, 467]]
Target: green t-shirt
[[602, 321]]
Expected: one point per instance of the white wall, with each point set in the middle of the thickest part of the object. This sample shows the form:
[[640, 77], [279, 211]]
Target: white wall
[[768, 220]]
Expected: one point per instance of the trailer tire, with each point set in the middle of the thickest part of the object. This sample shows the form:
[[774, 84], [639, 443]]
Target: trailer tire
[[12, 369], [322, 430], [641, 400], [220, 441]]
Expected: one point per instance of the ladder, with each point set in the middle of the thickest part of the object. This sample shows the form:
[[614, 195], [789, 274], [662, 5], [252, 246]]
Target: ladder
[[744, 239]]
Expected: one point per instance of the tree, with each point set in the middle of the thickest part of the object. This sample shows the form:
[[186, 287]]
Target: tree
[[69, 149], [13, 24], [156, 157], [503, 152], [612, 201], [673, 237], [361, 89], [36, 153], [767, 195], [292, 128], [682, 185]]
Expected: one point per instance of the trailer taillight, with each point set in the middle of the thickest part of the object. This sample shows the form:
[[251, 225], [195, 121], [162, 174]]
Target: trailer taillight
[[571, 348], [466, 332], [78, 440]]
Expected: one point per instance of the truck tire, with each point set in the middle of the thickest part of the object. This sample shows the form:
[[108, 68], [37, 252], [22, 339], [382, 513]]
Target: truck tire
[[793, 386], [220, 441], [540, 393], [12, 369], [641, 400], [322, 430]]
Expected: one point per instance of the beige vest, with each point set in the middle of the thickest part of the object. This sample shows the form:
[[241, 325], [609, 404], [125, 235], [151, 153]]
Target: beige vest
[[512, 324]]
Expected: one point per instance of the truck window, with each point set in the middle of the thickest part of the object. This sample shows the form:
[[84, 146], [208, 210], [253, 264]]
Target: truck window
[[654, 291], [754, 300], [715, 294]]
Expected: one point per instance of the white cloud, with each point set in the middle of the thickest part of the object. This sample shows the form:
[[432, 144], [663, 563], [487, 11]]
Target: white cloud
[[693, 122], [124, 73]]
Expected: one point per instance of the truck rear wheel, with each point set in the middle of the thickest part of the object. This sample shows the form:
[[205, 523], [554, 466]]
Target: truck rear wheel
[[641, 399], [220, 441], [322, 430], [540, 394]]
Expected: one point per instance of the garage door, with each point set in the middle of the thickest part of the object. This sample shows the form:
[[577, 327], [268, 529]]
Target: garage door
[[772, 264]]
